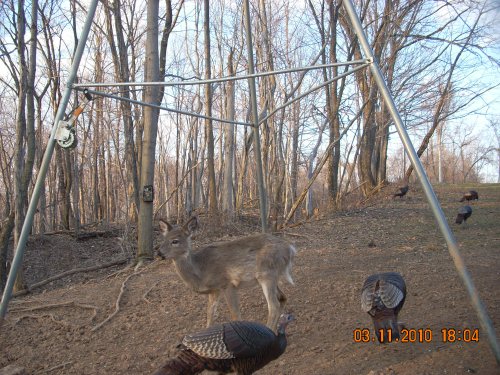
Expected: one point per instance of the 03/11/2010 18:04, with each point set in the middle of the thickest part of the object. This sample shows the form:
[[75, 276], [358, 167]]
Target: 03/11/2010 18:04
[[420, 335]]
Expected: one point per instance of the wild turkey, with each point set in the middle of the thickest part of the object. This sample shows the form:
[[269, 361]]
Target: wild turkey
[[401, 192], [464, 213], [470, 196], [383, 296], [237, 346]]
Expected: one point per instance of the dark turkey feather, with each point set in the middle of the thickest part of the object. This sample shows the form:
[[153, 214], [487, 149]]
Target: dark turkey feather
[[185, 363], [470, 196], [464, 213], [383, 296], [208, 343], [234, 339], [401, 192], [238, 346]]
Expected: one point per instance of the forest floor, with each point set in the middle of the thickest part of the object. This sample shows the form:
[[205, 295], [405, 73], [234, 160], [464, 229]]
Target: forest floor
[[72, 325]]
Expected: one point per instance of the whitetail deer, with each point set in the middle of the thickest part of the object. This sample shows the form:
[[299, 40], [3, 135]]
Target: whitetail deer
[[225, 267]]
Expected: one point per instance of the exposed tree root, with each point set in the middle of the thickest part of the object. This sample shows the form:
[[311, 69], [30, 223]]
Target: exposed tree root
[[67, 273], [145, 295], [119, 298], [51, 316], [119, 272], [62, 365], [51, 306]]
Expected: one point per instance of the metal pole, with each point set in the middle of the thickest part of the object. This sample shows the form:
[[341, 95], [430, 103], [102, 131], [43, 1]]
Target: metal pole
[[312, 89], [145, 104], [106, 95], [28, 221], [484, 319], [216, 80], [255, 118]]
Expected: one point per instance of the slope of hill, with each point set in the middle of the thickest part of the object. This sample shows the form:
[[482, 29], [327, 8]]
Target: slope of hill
[[120, 320]]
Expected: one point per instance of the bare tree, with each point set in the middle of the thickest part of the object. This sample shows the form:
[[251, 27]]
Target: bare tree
[[494, 125], [228, 196], [209, 132], [24, 160], [445, 96], [6, 196], [120, 55], [151, 95]]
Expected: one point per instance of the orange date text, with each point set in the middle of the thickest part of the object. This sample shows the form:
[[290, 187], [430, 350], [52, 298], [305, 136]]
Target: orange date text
[[417, 335]]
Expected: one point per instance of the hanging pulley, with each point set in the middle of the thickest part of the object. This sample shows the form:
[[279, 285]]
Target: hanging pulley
[[66, 135], [66, 130]]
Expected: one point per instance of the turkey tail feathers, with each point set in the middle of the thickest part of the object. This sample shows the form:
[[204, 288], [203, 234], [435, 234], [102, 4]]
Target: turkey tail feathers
[[367, 299], [382, 297], [388, 287], [390, 294]]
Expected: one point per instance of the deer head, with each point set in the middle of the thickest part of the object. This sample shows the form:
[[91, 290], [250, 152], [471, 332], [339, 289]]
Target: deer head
[[177, 239]]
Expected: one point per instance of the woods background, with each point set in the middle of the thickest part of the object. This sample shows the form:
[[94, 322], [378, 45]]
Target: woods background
[[440, 60]]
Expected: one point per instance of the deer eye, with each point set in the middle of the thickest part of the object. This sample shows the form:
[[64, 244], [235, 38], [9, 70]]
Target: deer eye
[[175, 242]]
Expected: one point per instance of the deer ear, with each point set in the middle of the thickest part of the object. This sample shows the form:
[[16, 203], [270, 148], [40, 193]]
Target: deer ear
[[192, 224], [165, 227]]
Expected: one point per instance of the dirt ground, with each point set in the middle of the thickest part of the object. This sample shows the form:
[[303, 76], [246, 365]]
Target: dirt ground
[[73, 326]]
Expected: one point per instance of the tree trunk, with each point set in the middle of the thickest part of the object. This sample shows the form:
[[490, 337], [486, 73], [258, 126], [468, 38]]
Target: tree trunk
[[39, 150], [209, 132], [228, 196], [5, 234], [439, 114], [240, 196], [310, 167], [495, 126], [151, 95], [333, 105], [294, 168], [25, 126], [273, 172], [122, 72]]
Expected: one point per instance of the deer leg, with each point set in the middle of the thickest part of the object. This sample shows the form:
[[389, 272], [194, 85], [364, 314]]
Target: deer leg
[[281, 297], [233, 302], [213, 300], [271, 292]]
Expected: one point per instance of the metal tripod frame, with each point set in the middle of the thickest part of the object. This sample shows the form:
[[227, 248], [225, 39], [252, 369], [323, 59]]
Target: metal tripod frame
[[453, 249]]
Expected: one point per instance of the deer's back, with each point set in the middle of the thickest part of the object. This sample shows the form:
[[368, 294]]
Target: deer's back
[[244, 259]]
